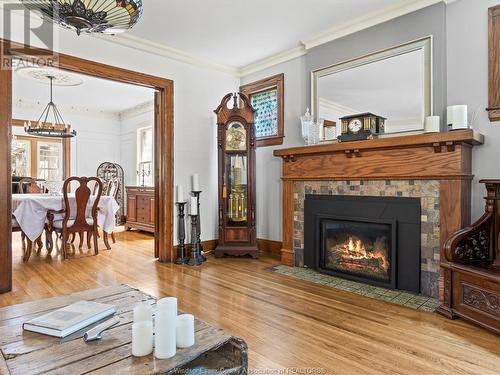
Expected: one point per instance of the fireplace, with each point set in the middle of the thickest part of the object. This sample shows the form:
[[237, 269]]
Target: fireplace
[[374, 240]]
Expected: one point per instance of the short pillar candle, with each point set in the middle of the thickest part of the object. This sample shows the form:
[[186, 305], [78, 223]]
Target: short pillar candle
[[185, 331], [142, 338]]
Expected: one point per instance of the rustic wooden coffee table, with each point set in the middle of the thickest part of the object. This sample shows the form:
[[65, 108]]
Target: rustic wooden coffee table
[[23, 352]]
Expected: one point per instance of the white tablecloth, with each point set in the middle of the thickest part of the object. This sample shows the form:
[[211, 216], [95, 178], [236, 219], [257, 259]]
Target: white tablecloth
[[30, 211]]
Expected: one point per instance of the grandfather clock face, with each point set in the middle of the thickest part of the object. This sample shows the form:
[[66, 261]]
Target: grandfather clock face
[[236, 137]]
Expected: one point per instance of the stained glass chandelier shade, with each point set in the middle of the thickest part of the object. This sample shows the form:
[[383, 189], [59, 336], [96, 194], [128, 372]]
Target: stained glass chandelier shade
[[50, 123], [89, 16]]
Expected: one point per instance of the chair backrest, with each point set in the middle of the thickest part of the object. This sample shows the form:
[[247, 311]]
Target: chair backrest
[[82, 196], [28, 185], [113, 187]]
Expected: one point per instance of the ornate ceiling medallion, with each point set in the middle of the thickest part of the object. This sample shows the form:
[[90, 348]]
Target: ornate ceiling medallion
[[89, 16]]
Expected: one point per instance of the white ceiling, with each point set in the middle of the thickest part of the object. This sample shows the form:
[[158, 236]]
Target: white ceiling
[[237, 33], [94, 94]]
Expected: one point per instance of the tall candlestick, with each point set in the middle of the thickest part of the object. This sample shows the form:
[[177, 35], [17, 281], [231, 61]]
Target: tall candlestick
[[142, 338], [185, 331], [165, 328], [181, 235], [196, 182], [193, 207], [180, 194]]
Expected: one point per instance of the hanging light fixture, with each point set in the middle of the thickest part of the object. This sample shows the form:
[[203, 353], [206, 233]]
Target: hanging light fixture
[[89, 16], [50, 125]]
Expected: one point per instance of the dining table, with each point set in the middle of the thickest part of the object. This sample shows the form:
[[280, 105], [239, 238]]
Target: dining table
[[30, 211]]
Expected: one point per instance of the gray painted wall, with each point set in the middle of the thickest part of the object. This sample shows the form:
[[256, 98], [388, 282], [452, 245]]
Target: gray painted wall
[[467, 40], [425, 22]]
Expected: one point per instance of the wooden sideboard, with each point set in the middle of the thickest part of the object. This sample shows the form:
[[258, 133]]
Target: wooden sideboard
[[141, 208]]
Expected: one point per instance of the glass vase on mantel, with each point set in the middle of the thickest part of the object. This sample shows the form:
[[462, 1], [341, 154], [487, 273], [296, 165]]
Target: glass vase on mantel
[[311, 130]]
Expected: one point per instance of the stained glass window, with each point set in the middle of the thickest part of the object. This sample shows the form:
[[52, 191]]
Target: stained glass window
[[266, 117]]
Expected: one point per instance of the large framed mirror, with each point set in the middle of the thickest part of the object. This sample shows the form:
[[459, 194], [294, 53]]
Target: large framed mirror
[[395, 83]]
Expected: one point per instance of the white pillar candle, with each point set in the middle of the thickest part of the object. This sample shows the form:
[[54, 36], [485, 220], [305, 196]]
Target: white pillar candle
[[459, 117], [193, 207], [180, 194], [143, 312], [196, 182], [432, 124], [142, 338], [165, 328], [185, 331]]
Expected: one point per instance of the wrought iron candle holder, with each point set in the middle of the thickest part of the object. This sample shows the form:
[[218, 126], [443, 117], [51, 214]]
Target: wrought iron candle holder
[[181, 229], [197, 195], [142, 173], [196, 257]]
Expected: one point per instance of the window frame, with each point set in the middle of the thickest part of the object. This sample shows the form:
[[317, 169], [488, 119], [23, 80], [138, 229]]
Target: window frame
[[276, 82]]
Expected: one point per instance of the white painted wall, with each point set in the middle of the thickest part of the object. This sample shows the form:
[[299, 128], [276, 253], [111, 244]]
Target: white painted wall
[[197, 92], [467, 56], [269, 201]]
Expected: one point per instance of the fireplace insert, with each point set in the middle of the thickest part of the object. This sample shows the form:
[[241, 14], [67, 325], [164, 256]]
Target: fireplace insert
[[361, 249], [375, 240]]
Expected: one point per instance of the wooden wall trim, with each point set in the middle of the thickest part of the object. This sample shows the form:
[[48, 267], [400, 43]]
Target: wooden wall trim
[[5, 178], [494, 63]]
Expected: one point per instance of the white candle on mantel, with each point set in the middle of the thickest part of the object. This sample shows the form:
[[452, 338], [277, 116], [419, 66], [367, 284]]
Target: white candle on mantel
[[196, 182], [180, 194], [143, 312], [432, 124], [193, 207], [185, 331], [165, 328], [142, 338]]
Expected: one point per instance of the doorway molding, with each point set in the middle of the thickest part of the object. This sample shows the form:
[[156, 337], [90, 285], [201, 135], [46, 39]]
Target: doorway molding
[[164, 145]]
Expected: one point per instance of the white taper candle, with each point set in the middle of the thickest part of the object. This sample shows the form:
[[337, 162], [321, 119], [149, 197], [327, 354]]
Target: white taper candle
[[180, 194], [196, 182], [193, 206]]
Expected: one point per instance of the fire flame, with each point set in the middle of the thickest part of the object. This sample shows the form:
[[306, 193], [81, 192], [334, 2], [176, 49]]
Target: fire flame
[[356, 250]]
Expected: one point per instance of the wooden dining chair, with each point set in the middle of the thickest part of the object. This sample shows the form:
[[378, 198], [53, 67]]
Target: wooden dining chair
[[78, 221], [28, 185]]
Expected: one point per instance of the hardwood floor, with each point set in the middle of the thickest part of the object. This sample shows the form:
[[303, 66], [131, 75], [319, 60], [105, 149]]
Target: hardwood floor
[[286, 322]]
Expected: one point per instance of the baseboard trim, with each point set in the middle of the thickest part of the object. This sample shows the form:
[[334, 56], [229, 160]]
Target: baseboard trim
[[265, 247]]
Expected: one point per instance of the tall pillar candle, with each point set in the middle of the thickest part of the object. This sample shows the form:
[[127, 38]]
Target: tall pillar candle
[[432, 124], [193, 206], [459, 117], [165, 328], [185, 331], [196, 182], [142, 338]]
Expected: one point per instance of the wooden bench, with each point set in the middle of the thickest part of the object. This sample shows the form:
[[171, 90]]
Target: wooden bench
[[472, 267], [23, 352]]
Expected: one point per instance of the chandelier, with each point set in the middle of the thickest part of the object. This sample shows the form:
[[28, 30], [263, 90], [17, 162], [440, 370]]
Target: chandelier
[[50, 125], [89, 16]]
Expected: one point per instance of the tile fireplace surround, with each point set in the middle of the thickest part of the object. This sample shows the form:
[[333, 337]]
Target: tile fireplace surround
[[433, 167]]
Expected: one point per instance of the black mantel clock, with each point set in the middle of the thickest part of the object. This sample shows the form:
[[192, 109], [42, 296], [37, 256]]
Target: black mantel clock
[[236, 149], [361, 126]]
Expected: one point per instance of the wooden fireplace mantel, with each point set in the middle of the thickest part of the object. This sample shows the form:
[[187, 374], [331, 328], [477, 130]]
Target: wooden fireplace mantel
[[446, 157]]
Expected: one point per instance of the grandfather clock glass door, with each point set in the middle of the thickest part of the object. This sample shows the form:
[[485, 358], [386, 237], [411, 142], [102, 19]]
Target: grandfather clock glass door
[[237, 179]]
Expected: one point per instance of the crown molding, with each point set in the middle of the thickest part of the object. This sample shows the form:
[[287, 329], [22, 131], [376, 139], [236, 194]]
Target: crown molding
[[162, 50], [272, 60], [143, 108], [38, 107], [366, 21]]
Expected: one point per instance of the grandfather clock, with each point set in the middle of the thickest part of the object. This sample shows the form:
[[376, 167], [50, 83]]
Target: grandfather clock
[[236, 144]]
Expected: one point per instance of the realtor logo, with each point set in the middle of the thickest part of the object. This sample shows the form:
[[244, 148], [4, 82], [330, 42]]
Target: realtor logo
[[27, 29]]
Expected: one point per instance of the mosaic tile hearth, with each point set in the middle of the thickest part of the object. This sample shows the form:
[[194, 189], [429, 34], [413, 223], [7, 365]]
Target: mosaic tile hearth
[[398, 297], [427, 191]]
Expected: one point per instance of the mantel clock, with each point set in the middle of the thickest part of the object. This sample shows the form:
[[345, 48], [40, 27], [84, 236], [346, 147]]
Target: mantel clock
[[361, 126], [236, 149]]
